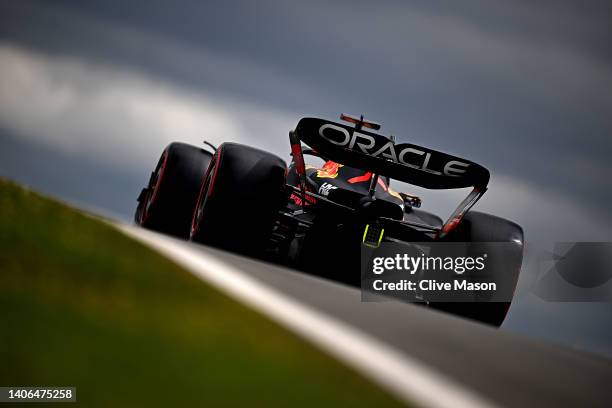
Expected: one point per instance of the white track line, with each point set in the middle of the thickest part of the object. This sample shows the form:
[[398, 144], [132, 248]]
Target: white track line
[[408, 379]]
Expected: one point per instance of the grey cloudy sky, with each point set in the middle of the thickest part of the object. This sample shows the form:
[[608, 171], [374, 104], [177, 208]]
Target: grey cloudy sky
[[522, 88], [91, 91]]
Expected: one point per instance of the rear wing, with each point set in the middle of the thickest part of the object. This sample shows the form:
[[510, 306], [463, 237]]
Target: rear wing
[[406, 162], [420, 166]]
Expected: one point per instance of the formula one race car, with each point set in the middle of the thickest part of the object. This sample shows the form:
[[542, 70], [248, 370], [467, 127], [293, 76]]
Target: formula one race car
[[246, 200]]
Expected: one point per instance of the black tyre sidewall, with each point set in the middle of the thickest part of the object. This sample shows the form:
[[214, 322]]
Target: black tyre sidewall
[[172, 208], [242, 201]]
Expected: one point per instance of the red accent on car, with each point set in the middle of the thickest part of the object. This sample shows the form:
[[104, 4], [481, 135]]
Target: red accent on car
[[217, 164], [298, 200], [360, 179], [155, 192], [382, 184], [195, 221], [451, 225], [296, 151]]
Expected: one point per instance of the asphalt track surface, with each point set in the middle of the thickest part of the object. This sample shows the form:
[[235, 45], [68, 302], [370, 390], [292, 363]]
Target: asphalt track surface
[[504, 368]]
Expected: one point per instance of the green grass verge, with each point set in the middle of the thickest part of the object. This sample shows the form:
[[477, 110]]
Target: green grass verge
[[83, 305]]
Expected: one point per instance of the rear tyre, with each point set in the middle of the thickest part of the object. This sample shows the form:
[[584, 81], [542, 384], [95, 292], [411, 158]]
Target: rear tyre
[[482, 228], [239, 199], [167, 203]]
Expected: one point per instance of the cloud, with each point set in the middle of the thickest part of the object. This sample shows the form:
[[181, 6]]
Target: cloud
[[120, 116], [519, 87], [545, 215]]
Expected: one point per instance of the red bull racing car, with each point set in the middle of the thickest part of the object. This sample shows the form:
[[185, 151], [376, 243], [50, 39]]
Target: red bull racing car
[[317, 218]]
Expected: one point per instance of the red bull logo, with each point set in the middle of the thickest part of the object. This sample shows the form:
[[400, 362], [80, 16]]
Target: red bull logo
[[329, 170]]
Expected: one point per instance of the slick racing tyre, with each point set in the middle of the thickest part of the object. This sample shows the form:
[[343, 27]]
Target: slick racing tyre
[[239, 199], [168, 202], [483, 228]]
